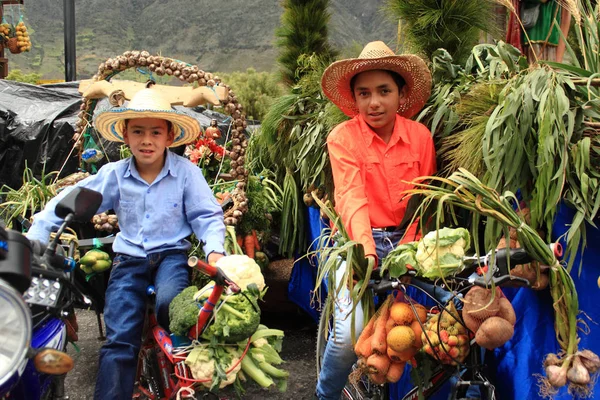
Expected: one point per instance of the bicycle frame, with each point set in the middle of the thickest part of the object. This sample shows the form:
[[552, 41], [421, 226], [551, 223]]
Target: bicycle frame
[[158, 338]]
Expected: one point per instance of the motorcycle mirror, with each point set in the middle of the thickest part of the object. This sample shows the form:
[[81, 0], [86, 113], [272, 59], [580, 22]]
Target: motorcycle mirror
[[52, 361], [81, 202]]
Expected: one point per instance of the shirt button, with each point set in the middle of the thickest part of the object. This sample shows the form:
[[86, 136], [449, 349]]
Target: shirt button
[[387, 156], [175, 205], [147, 216], [148, 191], [145, 240]]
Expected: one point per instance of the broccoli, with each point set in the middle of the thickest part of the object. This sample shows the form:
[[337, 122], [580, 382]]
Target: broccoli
[[237, 317], [183, 311]]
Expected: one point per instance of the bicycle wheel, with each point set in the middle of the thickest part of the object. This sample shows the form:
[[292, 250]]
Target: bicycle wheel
[[363, 389], [149, 381]]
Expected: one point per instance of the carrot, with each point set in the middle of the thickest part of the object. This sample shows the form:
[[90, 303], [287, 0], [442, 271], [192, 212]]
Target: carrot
[[249, 247], [389, 325], [378, 363], [364, 348], [365, 334], [240, 240], [395, 372], [379, 340], [256, 243]]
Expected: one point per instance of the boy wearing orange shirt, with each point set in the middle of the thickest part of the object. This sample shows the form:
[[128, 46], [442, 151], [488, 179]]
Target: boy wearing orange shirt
[[371, 156]]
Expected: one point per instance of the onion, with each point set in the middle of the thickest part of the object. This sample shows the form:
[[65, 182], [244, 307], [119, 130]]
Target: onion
[[557, 376], [578, 374], [590, 360], [551, 359]]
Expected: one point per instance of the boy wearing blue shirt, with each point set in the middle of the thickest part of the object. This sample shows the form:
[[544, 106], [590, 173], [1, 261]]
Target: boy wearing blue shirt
[[160, 198]]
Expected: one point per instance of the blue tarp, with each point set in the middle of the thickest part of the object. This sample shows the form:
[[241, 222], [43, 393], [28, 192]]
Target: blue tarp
[[516, 362], [512, 368], [304, 272]]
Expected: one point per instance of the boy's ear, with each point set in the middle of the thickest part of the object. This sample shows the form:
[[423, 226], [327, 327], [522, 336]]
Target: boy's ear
[[403, 95], [125, 137], [170, 137]]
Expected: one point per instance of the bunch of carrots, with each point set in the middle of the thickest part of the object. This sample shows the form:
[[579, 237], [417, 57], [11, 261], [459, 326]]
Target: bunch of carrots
[[389, 340], [249, 243]]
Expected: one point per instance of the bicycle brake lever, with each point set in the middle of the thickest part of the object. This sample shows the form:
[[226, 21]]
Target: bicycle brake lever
[[513, 281]]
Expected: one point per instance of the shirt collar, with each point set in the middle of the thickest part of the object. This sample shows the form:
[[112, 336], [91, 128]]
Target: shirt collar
[[168, 168], [399, 131]]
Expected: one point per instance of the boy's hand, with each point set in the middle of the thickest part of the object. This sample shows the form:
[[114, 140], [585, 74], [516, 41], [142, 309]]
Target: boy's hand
[[214, 257]]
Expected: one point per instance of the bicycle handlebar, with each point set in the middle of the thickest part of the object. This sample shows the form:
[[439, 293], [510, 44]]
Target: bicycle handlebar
[[498, 273], [221, 282]]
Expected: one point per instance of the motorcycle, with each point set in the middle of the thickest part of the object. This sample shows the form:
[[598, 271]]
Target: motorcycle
[[39, 289]]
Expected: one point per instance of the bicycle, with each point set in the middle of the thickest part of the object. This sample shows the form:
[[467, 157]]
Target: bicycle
[[162, 374], [476, 271]]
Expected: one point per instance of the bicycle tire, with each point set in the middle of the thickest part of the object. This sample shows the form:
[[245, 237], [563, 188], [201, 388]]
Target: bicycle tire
[[360, 391]]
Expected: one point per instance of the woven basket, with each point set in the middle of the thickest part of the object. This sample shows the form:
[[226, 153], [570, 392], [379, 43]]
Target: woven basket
[[13, 45]]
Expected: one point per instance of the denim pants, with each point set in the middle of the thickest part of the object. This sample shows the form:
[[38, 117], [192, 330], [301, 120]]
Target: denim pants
[[339, 353], [124, 314]]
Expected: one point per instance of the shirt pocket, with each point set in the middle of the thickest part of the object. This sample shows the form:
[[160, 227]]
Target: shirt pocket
[[171, 216], [127, 214], [372, 166], [406, 169]]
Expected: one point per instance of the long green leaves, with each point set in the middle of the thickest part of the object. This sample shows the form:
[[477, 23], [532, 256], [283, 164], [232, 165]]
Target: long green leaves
[[428, 25], [31, 197]]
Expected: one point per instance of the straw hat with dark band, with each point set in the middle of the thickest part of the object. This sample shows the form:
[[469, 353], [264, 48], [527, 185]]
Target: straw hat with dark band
[[376, 55], [147, 103]]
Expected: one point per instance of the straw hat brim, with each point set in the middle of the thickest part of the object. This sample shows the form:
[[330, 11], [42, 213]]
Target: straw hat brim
[[111, 123], [336, 81]]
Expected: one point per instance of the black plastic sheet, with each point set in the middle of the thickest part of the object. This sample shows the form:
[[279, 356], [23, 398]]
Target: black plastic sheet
[[37, 124]]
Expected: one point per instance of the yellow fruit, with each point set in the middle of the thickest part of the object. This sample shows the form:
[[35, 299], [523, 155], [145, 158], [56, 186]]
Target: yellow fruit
[[401, 338], [402, 313]]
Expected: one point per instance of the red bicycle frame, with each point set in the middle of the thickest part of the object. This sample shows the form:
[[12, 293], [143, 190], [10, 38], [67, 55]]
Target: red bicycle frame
[[165, 358]]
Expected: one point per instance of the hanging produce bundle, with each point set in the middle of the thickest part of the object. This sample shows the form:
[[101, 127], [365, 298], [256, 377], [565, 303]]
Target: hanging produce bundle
[[22, 36], [390, 339], [104, 222], [464, 190], [95, 260]]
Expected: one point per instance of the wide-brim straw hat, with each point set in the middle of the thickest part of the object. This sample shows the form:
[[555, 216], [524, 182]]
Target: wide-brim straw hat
[[147, 103], [376, 55]]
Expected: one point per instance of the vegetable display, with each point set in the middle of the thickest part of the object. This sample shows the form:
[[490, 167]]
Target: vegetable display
[[234, 346], [465, 191]]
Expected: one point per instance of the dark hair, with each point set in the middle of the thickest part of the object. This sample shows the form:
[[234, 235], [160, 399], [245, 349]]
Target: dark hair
[[169, 125], [398, 79]]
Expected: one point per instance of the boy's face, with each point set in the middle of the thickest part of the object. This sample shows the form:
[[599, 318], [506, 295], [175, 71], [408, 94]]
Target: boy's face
[[377, 98], [148, 138]]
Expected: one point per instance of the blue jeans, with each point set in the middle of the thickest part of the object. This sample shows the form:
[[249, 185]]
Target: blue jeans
[[124, 314], [339, 353]]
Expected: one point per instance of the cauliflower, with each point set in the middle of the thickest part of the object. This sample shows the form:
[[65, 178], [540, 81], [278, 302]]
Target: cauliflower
[[242, 270], [440, 253], [202, 365]]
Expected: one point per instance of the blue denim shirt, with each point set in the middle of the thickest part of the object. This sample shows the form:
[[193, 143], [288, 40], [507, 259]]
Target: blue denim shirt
[[152, 217]]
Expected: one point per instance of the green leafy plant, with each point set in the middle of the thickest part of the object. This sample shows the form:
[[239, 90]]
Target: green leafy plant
[[427, 25], [255, 90], [31, 197], [303, 30]]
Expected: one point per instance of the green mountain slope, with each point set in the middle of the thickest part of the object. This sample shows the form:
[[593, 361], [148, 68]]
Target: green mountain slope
[[229, 35]]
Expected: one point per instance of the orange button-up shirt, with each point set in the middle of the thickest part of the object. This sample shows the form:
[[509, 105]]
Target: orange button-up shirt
[[368, 174]]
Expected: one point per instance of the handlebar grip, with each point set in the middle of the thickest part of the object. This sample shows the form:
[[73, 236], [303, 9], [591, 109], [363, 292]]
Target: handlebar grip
[[517, 256]]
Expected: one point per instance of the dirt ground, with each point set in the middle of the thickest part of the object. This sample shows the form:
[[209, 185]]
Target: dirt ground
[[298, 352]]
